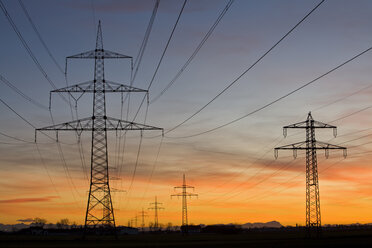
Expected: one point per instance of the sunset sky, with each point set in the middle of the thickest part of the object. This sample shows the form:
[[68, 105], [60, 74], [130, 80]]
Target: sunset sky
[[233, 168]]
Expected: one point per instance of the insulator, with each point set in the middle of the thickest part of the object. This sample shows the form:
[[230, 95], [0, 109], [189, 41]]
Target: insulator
[[345, 153], [326, 153], [285, 132], [294, 153], [335, 132], [276, 153]]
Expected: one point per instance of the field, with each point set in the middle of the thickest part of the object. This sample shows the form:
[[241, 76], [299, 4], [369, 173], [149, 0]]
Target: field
[[359, 238]]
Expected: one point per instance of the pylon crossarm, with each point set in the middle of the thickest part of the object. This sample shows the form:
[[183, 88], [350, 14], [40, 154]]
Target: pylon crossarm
[[178, 195], [85, 124], [318, 145], [117, 124], [294, 147], [184, 186], [98, 54], [191, 195], [315, 124], [89, 87], [291, 146], [78, 126]]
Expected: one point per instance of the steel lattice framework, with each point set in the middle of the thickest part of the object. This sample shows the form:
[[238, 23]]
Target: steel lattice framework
[[156, 209], [100, 211], [184, 194], [313, 218]]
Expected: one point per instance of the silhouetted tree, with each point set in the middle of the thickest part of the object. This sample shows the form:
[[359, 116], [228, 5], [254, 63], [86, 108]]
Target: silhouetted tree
[[63, 223], [38, 222], [169, 226]]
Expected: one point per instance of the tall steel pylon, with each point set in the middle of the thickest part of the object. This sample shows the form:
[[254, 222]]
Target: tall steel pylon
[[313, 218], [156, 209], [184, 194], [143, 215], [100, 211]]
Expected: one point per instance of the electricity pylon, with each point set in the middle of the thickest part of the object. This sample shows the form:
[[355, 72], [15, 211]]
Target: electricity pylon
[[143, 215], [100, 212], [184, 195], [313, 220], [135, 221], [156, 208]]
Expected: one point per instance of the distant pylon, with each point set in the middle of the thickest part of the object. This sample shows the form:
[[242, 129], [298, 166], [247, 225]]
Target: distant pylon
[[143, 215], [156, 208], [100, 211], [135, 221], [313, 218], [184, 194]]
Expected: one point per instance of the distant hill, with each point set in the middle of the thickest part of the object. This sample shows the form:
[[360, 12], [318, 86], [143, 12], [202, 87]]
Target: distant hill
[[10, 228], [271, 224]]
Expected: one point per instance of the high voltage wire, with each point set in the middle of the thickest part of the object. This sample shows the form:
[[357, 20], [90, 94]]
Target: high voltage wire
[[67, 171], [30, 124], [15, 138], [142, 49], [19, 92], [153, 77], [348, 115], [247, 70], [29, 51], [162, 56], [137, 64], [39, 36], [59, 68], [20, 116], [276, 172], [166, 46], [46, 169], [153, 169], [183, 68], [321, 107], [270, 193], [274, 101]]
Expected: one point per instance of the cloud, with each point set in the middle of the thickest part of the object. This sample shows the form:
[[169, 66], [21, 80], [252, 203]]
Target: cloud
[[26, 200], [26, 220]]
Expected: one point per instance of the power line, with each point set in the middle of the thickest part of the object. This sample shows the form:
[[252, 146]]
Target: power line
[[142, 49], [321, 107], [46, 169], [15, 138], [29, 51], [247, 70], [39, 36], [19, 92], [15, 112], [162, 56], [137, 63], [278, 170], [57, 65], [183, 68], [274, 101], [151, 82], [152, 170]]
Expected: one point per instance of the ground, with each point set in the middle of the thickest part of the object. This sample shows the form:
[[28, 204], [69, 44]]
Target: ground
[[360, 238]]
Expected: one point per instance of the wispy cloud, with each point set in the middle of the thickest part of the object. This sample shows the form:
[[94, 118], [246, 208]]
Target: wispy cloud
[[26, 200], [26, 220]]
